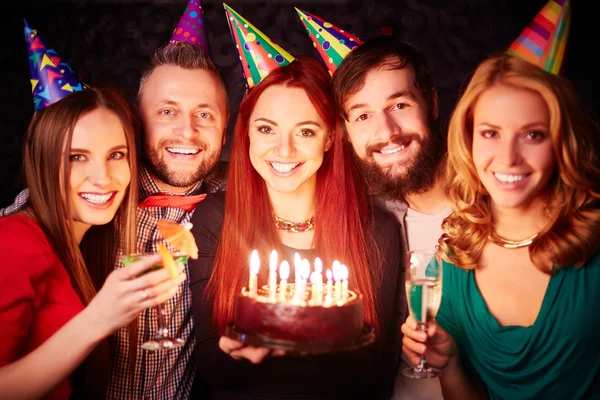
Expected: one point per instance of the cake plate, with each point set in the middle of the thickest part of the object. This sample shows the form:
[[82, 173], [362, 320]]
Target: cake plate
[[366, 338]]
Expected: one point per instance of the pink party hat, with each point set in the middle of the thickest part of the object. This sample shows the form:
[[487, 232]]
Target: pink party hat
[[259, 55], [332, 43], [191, 26], [543, 42], [51, 78]]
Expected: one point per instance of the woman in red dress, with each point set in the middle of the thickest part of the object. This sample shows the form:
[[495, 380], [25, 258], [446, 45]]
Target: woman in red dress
[[59, 300]]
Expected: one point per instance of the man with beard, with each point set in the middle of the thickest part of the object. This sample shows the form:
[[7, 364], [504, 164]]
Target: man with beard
[[384, 92], [182, 103]]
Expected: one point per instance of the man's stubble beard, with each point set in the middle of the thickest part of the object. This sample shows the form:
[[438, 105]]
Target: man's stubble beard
[[419, 175], [160, 169]]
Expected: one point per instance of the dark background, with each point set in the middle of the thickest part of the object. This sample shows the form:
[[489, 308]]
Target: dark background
[[110, 41]]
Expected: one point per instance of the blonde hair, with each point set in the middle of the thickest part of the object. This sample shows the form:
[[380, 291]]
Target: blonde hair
[[573, 233]]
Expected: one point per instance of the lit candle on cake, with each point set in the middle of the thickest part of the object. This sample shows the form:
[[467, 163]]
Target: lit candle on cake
[[338, 280], [344, 270], [319, 279], [319, 271], [329, 285], [315, 299], [254, 267], [297, 267], [273, 277], [304, 275], [284, 273]]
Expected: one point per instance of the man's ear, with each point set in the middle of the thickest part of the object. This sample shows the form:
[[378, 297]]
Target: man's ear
[[434, 103]]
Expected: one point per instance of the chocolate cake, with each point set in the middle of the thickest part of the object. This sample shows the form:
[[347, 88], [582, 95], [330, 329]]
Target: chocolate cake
[[330, 324]]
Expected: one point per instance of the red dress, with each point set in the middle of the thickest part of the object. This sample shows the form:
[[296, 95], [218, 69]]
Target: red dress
[[36, 295]]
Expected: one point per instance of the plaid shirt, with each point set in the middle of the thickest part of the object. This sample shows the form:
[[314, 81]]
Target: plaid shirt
[[20, 201], [166, 374]]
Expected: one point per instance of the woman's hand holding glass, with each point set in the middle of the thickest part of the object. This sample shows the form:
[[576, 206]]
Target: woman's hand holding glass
[[435, 344], [128, 291]]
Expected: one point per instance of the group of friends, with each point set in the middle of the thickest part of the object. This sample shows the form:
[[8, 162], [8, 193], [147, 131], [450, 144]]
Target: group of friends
[[348, 156]]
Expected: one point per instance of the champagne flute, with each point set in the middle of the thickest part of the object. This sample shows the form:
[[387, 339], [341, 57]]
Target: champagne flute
[[424, 295], [162, 338]]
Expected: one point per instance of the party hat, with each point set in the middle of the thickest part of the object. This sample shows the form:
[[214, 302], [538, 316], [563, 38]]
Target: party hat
[[191, 26], [259, 55], [51, 78], [544, 40], [332, 43]]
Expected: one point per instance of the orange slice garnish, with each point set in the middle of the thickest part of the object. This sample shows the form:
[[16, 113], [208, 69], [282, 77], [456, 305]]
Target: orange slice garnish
[[168, 261], [179, 237]]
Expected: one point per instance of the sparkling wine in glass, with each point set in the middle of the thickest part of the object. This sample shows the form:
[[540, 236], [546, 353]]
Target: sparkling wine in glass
[[162, 338], [424, 294]]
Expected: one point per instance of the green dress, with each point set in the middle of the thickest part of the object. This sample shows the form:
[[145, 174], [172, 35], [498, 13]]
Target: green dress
[[558, 357]]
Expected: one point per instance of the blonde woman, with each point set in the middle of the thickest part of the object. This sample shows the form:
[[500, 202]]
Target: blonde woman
[[519, 316]]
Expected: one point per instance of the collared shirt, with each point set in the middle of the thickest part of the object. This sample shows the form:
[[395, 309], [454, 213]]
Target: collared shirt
[[164, 374], [19, 202]]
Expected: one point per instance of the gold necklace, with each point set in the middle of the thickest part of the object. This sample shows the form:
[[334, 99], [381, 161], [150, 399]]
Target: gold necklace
[[295, 227], [510, 244]]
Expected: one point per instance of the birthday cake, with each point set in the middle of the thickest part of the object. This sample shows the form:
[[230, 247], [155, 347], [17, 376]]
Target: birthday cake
[[326, 324], [307, 315]]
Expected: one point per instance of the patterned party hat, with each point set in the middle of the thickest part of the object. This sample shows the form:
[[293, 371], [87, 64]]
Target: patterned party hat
[[332, 43], [51, 78], [544, 40], [191, 26], [259, 55]]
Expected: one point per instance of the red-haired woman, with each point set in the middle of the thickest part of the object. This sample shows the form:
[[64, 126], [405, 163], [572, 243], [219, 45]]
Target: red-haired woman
[[289, 162]]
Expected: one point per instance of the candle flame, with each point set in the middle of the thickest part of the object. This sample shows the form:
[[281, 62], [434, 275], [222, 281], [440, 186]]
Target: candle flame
[[344, 272], [273, 261], [314, 278], [329, 274], [305, 269], [336, 270], [318, 265], [254, 262], [284, 270]]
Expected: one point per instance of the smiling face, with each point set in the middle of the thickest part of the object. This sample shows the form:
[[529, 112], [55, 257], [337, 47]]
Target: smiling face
[[287, 148], [512, 148], [184, 113], [99, 168], [389, 127]]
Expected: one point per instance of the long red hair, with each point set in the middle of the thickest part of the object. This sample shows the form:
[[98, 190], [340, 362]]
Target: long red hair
[[341, 205]]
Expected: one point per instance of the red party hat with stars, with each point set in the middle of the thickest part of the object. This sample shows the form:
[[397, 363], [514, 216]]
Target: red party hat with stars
[[332, 43], [259, 55], [191, 26], [51, 78], [544, 41]]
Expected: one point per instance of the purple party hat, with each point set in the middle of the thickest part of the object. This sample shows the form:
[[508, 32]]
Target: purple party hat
[[191, 27], [51, 78]]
